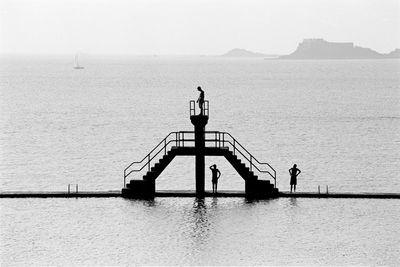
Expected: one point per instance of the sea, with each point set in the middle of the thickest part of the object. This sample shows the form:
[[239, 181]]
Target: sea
[[338, 120]]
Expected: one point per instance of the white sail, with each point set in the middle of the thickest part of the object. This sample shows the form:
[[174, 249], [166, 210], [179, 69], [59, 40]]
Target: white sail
[[77, 66]]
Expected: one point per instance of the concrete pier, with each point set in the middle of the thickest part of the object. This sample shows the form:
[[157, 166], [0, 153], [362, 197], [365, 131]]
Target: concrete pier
[[190, 193]]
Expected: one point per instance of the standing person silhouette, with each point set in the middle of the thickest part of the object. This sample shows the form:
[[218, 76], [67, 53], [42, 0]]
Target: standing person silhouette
[[215, 176], [294, 172], [200, 100]]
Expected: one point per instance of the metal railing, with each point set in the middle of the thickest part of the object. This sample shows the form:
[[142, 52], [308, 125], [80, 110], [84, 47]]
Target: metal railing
[[206, 108], [214, 139]]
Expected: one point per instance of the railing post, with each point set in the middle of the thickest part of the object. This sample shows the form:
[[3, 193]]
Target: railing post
[[165, 146], [176, 139], [251, 163], [215, 139], [124, 180], [148, 162], [234, 146]]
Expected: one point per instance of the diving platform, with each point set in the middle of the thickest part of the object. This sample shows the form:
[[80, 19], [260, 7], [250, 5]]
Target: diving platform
[[140, 176]]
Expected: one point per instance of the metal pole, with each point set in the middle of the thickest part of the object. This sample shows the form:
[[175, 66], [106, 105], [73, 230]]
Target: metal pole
[[319, 191], [234, 146], [165, 146], [327, 192], [68, 188], [124, 181], [251, 164], [149, 161], [76, 188]]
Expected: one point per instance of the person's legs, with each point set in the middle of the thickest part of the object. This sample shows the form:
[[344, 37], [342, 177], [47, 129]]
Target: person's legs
[[294, 188], [291, 188], [216, 185]]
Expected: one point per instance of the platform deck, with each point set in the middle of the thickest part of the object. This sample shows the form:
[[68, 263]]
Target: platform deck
[[188, 193]]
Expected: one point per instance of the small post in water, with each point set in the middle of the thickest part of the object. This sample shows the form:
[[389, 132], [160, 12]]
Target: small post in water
[[319, 191], [76, 188], [68, 188], [327, 192]]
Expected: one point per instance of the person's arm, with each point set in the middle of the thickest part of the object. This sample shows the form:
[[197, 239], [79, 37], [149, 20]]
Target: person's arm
[[290, 171], [298, 172], [219, 174], [211, 167]]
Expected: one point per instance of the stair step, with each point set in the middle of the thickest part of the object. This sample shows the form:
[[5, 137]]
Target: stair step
[[163, 161], [149, 174]]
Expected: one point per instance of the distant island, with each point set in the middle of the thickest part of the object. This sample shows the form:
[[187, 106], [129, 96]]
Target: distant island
[[321, 49], [394, 54], [237, 52], [318, 49]]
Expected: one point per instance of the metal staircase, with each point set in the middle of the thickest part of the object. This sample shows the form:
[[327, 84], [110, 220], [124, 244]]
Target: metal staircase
[[217, 144]]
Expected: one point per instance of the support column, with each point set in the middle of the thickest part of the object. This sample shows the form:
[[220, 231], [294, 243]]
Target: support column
[[199, 123]]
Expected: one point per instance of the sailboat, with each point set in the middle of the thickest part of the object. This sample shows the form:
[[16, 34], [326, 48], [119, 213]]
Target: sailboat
[[77, 66]]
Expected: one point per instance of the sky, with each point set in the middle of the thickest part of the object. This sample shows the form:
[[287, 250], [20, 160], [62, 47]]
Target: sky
[[193, 27]]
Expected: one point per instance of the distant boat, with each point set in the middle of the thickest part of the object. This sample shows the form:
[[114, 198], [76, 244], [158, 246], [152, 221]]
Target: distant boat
[[77, 66]]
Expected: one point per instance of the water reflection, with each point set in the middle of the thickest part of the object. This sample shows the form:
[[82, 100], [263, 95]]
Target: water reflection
[[293, 202], [201, 225], [252, 201], [214, 202], [145, 202]]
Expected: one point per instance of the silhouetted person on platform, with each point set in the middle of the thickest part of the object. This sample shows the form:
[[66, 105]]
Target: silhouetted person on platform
[[200, 100], [293, 177], [215, 176]]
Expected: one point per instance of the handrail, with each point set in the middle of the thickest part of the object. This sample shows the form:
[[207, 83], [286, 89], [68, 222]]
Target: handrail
[[148, 156], [206, 108], [179, 139], [251, 158]]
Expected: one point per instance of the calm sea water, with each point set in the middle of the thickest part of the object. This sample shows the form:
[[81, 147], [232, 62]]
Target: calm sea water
[[221, 231], [338, 120]]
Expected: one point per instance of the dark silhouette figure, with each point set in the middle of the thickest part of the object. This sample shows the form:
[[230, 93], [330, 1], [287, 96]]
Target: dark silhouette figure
[[215, 176], [294, 172], [200, 100]]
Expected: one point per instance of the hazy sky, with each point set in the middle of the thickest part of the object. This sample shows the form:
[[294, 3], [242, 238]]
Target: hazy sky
[[193, 26]]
